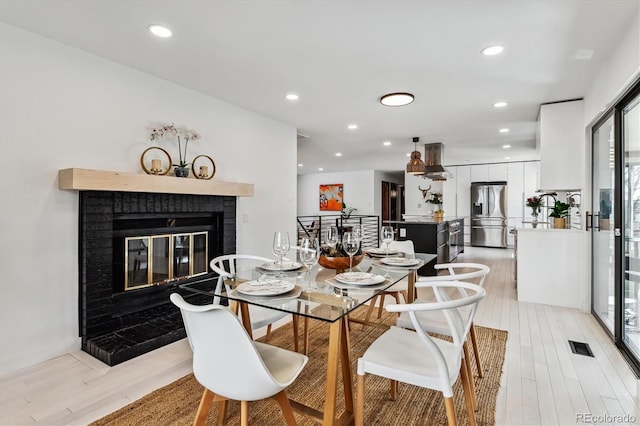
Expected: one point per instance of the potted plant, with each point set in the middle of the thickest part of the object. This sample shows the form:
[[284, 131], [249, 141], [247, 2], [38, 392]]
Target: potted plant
[[160, 131], [559, 213]]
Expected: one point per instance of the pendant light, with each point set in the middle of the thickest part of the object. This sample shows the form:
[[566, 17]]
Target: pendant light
[[415, 166]]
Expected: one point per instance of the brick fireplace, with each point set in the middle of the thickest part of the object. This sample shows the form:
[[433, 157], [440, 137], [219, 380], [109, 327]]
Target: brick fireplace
[[118, 324]]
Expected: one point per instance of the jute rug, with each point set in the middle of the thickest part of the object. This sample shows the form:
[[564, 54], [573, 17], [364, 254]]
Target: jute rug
[[177, 403]]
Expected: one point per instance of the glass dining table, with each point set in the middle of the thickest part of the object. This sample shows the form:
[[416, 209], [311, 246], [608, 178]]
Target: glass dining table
[[320, 294]]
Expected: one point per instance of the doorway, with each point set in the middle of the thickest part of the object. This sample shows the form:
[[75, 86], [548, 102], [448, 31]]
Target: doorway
[[392, 201]]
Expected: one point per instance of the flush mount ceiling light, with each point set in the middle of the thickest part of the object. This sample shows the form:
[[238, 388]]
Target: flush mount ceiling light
[[500, 104], [159, 30], [396, 99], [492, 50], [415, 166], [292, 97]]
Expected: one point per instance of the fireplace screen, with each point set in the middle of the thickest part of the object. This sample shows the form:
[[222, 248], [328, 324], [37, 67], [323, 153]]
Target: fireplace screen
[[157, 259]]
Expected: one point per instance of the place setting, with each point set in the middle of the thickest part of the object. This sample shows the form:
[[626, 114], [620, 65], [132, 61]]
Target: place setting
[[268, 287]]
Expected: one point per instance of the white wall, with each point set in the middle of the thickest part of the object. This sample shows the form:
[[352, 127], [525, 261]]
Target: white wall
[[414, 202], [358, 191], [61, 108]]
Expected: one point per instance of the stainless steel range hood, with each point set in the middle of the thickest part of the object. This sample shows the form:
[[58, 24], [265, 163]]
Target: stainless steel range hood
[[433, 169]]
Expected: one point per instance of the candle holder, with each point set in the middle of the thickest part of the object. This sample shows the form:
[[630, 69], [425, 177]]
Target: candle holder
[[156, 167], [202, 172]]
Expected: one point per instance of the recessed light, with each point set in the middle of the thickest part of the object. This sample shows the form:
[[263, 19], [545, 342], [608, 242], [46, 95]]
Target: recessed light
[[338, 154], [159, 30], [507, 158], [386, 143], [505, 130], [408, 154], [506, 146], [300, 165], [396, 99], [500, 104], [492, 50], [320, 169], [352, 126], [292, 97]]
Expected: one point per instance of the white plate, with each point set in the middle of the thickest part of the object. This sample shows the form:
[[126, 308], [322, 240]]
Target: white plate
[[378, 252], [359, 278], [271, 287], [287, 265], [399, 261]]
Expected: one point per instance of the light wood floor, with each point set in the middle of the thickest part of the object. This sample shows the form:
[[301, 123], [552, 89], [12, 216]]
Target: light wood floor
[[543, 383]]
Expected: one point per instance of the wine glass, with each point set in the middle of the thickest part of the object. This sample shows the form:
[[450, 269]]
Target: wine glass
[[332, 236], [281, 245], [309, 253], [350, 244], [387, 237]]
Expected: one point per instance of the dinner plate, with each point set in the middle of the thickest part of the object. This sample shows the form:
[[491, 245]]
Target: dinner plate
[[399, 261], [380, 251], [271, 287], [359, 278], [287, 265]]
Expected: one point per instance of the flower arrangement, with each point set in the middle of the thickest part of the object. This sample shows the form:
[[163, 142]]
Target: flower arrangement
[[433, 198], [160, 131], [534, 203]]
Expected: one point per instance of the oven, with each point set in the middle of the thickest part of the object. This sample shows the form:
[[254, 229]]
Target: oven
[[454, 239]]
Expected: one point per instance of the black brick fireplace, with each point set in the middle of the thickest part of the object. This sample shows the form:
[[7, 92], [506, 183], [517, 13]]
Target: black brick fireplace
[[117, 325]]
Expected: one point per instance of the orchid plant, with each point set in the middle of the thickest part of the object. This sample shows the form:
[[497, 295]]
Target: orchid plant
[[161, 131]]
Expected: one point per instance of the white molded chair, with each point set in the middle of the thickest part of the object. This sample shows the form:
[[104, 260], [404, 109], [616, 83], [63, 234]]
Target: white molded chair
[[401, 287], [226, 266], [434, 322], [258, 370], [425, 361]]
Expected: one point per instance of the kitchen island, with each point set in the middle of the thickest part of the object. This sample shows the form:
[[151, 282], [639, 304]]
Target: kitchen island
[[442, 237], [549, 267]]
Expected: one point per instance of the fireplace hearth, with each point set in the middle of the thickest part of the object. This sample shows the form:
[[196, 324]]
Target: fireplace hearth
[[120, 321]]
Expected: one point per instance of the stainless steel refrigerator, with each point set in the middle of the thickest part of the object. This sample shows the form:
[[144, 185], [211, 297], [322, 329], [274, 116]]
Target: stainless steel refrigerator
[[489, 214]]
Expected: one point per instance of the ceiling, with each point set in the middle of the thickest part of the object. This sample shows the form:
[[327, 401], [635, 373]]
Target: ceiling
[[341, 56]]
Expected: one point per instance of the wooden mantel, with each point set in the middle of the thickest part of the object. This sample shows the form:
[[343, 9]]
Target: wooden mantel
[[100, 180]]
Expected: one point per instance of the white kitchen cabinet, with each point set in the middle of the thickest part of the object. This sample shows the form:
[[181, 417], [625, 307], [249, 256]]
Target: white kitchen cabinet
[[562, 145], [479, 172], [463, 199], [515, 197], [498, 172], [449, 193]]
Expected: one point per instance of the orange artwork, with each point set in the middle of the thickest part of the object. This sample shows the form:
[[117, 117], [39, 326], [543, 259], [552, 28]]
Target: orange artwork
[[331, 197]]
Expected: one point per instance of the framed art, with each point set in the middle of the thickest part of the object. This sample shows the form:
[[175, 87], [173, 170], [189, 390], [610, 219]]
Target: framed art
[[331, 197]]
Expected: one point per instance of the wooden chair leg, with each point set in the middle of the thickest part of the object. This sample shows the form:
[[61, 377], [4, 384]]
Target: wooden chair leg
[[359, 413], [305, 344], [244, 413], [268, 336], [381, 305], [285, 406], [295, 332], [372, 305], [451, 411], [472, 386], [394, 389], [468, 396], [222, 412], [203, 408], [476, 352]]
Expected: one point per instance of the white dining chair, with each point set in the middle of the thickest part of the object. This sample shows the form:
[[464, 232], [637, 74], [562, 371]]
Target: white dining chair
[[423, 360], [231, 366], [434, 322], [227, 266], [399, 288]]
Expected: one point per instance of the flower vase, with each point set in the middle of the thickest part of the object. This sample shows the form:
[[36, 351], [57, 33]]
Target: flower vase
[[534, 218], [181, 171]]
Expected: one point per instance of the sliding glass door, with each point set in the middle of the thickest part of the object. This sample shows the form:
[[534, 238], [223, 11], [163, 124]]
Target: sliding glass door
[[615, 224], [603, 242], [629, 130]]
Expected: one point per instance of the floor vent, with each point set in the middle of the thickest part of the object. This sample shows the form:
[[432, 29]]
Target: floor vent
[[580, 348]]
